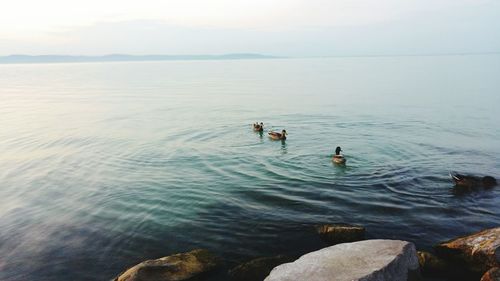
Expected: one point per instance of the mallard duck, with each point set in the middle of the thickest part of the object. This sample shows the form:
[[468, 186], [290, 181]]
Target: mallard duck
[[472, 181], [258, 127], [338, 158], [278, 136]]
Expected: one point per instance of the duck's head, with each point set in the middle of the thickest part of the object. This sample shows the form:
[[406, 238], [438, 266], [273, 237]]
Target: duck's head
[[284, 132], [338, 150]]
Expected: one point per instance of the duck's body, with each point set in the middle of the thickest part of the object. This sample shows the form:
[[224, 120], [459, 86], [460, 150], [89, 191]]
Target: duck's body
[[258, 127], [278, 136], [338, 158], [467, 181]]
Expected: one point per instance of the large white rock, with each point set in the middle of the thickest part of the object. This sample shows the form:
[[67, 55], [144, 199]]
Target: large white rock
[[369, 260]]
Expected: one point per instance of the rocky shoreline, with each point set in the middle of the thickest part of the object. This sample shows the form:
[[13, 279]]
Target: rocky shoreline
[[348, 257]]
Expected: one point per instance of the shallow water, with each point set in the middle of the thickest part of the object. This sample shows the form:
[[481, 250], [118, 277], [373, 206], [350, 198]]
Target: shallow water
[[104, 165]]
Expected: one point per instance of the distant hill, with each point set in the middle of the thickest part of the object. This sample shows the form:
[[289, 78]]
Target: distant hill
[[119, 57]]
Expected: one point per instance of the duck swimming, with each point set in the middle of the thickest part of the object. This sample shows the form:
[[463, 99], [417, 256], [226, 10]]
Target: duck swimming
[[278, 136], [258, 127], [472, 181], [338, 158]]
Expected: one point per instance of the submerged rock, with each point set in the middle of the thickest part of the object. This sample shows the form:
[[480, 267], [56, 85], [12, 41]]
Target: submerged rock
[[176, 267], [370, 260], [257, 269], [492, 275], [340, 233], [478, 252], [432, 265]]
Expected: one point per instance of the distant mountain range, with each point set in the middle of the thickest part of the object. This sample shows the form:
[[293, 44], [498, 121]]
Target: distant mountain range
[[119, 57]]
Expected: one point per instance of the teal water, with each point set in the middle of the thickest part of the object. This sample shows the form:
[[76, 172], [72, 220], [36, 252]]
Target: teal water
[[103, 165]]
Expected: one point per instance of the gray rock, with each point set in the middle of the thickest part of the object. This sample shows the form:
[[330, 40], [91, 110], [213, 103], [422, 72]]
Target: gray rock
[[340, 233], [184, 266], [370, 260]]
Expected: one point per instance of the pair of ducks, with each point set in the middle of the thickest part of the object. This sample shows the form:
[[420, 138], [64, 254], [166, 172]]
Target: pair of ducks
[[259, 127]]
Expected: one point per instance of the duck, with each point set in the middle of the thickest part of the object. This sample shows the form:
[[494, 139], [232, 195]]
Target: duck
[[338, 158], [278, 136], [468, 181], [258, 127]]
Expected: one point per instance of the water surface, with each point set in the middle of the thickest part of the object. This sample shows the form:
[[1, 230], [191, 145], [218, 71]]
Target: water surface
[[103, 165]]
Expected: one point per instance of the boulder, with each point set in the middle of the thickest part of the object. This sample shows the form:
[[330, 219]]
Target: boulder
[[340, 233], [369, 260], [478, 252], [184, 266], [257, 269], [492, 275]]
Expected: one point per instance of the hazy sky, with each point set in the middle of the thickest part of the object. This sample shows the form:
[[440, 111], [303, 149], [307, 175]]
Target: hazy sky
[[278, 27]]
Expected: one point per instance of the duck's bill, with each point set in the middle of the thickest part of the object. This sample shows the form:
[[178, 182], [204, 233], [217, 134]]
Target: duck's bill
[[455, 177]]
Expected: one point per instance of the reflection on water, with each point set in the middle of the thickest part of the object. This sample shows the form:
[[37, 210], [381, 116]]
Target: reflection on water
[[283, 146], [104, 165], [261, 135]]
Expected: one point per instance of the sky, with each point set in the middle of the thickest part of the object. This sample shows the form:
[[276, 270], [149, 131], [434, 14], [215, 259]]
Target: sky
[[274, 27]]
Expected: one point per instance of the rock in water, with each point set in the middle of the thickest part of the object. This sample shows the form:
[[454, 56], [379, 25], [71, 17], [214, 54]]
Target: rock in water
[[432, 265], [478, 252], [492, 275], [369, 260], [257, 269], [176, 267], [340, 233]]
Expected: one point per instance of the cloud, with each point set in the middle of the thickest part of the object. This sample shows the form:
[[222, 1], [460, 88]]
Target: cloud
[[299, 29]]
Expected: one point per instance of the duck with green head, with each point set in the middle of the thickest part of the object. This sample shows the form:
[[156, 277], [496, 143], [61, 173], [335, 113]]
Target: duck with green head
[[338, 158]]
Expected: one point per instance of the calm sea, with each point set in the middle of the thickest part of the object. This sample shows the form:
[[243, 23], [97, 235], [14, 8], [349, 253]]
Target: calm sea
[[103, 165]]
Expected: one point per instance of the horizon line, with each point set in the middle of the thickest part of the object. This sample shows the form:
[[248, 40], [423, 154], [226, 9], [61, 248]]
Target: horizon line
[[22, 58], [51, 58]]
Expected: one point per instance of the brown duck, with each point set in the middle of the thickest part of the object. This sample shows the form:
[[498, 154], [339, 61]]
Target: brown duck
[[278, 136], [468, 181]]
